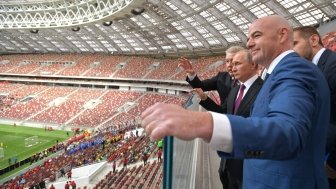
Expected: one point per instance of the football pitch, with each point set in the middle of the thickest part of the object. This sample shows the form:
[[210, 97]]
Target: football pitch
[[12, 140]]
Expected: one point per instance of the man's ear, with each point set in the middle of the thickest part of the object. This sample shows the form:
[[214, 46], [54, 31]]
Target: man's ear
[[283, 34], [314, 40]]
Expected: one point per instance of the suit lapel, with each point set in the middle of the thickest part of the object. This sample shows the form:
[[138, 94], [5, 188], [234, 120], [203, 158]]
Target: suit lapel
[[231, 99], [323, 59]]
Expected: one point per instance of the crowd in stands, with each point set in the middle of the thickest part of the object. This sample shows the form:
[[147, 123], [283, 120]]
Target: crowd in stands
[[136, 67], [75, 106], [110, 102], [109, 144], [146, 176], [37, 103], [98, 65], [81, 65], [20, 95], [105, 67], [163, 69]]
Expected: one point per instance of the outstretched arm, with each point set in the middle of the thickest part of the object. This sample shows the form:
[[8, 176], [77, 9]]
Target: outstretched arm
[[162, 120]]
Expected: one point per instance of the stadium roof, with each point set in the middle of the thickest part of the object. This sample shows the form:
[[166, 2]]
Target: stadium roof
[[170, 27]]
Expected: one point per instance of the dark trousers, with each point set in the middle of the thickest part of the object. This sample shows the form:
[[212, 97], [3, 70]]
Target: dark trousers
[[223, 175], [332, 183], [234, 182], [230, 173]]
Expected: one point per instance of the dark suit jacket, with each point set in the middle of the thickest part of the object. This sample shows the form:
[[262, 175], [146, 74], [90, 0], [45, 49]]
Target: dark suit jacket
[[235, 166], [246, 104], [283, 142], [222, 82], [327, 65]]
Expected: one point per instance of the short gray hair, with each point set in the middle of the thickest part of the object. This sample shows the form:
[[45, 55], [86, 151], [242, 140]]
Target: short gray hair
[[234, 49]]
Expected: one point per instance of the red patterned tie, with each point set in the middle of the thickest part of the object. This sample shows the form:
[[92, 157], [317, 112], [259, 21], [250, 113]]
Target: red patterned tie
[[239, 98]]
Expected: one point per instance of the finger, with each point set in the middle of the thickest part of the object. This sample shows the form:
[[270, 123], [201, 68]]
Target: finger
[[147, 117], [198, 91], [148, 111], [184, 60], [181, 64], [151, 127], [159, 132]]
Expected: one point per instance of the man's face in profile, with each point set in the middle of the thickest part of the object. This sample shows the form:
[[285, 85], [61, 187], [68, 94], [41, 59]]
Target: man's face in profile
[[302, 46], [228, 63]]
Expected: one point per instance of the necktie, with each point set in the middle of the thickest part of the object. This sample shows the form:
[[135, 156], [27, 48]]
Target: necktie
[[239, 98]]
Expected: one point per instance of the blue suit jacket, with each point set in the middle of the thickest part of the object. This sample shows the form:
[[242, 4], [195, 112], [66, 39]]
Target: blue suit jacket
[[283, 142]]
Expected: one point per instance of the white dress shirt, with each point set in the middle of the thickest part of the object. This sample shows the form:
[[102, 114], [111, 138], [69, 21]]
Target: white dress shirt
[[248, 84], [318, 56]]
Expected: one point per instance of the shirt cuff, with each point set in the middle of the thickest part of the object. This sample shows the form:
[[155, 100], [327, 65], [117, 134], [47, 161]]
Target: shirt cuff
[[221, 139], [191, 77]]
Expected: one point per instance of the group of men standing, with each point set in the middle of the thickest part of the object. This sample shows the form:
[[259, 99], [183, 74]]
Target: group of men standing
[[239, 86], [282, 135]]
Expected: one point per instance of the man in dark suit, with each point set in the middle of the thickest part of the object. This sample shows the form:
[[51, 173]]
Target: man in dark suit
[[308, 44], [245, 71], [222, 83], [283, 142]]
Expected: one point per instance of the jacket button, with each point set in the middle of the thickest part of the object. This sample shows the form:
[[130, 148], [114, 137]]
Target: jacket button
[[249, 153]]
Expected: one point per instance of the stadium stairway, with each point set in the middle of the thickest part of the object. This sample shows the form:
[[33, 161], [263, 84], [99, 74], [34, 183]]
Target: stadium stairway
[[79, 113]]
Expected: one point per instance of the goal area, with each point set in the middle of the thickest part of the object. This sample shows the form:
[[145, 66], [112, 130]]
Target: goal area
[[31, 141]]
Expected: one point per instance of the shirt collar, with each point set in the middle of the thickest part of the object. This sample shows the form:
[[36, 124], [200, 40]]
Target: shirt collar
[[318, 56], [276, 61], [250, 81], [263, 74]]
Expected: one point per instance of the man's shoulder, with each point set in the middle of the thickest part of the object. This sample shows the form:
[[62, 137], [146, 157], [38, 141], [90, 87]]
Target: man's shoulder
[[257, 84], [299, 69], [224, 73], [293, 66], [329, 52], [329, 55], [294, 62], [258, 81]]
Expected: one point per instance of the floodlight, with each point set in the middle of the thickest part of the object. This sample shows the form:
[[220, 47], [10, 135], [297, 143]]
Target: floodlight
[[108, 23], [137, 11], [34, 31], [75, 29]]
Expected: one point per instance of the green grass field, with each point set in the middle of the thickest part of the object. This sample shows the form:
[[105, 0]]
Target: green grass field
[[13, 141]]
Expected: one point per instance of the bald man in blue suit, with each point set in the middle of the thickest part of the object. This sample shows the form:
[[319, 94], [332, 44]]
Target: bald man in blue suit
[[283, 142]]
